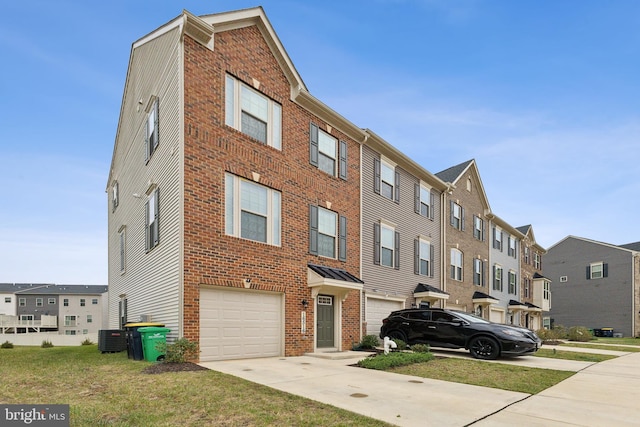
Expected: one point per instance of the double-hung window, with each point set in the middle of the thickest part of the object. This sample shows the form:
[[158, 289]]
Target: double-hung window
[[70, 321], [457, 216], [386, 180], [478, 272], [511, 250], [328, 233], [456, 264], [597, 270], [478, 228], [424, 252], [152, 129], [537, 261], [115, 197], [22, 302], [152, 220], [425, 201], [39, 302], [252, 211], [386, 245], [512, 282], [253, 113], [497, 239], [497, 278], [122, 237], [327, 153], [83, 302]]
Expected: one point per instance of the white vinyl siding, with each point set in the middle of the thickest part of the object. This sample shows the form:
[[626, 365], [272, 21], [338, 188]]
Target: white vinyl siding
[[155, 72]]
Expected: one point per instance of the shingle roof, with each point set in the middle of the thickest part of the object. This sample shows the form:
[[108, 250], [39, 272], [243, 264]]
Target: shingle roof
[[428, 288], [334, 273], [537, 275], [480, 295], [524, 229], [632, 246], [452, 173], [514, 302], [52, 289]]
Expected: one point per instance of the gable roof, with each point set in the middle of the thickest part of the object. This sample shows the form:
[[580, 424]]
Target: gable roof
[[629, 247], [452, 175], [203, 29], [454, 172]]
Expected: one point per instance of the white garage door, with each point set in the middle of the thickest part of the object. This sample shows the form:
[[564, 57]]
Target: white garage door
[[239, 324], [496, 316], [378, 309]]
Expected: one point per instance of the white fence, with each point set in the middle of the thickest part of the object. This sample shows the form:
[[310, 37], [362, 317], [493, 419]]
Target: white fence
[[36, 338]]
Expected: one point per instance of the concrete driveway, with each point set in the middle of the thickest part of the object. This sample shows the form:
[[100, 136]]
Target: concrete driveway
[[602, 394]]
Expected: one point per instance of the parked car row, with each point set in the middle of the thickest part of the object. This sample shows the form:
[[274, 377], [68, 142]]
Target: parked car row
[[455, 329]]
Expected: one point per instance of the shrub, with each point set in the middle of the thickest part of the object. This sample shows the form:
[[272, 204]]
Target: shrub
[[181, 351], [401, 344], [558, 332], [385, 361], [579, 333], [87, 342], [46, 344], [369, 341], [6, 344], [420, 348]]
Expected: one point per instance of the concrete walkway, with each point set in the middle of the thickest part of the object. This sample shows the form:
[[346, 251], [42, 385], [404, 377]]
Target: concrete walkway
[[601, 394]]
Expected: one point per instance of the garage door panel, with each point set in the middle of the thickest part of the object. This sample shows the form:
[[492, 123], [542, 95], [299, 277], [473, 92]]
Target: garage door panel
[[240, 324], [378, 309]]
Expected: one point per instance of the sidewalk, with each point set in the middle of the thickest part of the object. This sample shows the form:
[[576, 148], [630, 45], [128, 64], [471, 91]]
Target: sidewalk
[[602, 394]]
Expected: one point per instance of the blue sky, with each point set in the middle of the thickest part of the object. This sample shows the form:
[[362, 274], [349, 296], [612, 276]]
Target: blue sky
[[544, 94]]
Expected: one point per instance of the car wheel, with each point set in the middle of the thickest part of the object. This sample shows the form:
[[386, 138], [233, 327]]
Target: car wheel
[[484, 348], [398, 335]]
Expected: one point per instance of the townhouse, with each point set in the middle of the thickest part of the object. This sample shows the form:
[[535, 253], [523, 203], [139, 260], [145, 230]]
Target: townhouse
[[67, 309], [235, 214], [535, 287], [401, 233], [248, 216], [596, 284]]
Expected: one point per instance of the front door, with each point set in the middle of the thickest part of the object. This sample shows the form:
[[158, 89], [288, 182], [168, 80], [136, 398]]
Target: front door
[[325, 321]]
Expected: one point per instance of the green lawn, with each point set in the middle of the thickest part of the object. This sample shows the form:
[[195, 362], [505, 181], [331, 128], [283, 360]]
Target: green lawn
[[109, 389], [573, 355], [495, 375]]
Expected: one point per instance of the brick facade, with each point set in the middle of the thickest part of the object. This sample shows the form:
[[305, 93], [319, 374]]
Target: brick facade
[[471, 198], [211, 148]]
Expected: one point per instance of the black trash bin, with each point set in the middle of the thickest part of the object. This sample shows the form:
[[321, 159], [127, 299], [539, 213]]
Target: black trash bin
[[597, 332], [134, 339], [607, 332]]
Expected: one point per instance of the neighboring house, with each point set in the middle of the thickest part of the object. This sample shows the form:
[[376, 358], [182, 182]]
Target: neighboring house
[[234, 213], [69, 309], [535, 288], [504, 267], [401, 233], [596, 284], [467, 238]]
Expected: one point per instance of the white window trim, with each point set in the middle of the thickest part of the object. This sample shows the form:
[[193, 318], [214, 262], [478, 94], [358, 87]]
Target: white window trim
[[234, 208], [333, 156], [425, 257], [335, 236], [234, 118], [458, 268], [387, 226], [600, 270]]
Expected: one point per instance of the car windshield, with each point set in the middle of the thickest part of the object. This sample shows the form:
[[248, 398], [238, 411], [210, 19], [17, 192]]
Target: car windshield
[[470, 317]]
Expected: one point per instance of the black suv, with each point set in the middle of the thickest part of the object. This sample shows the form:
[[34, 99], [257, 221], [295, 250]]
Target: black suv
[[455, 329]]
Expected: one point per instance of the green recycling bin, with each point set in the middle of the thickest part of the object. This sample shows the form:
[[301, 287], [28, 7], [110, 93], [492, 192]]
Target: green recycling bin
[[154, 341]]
